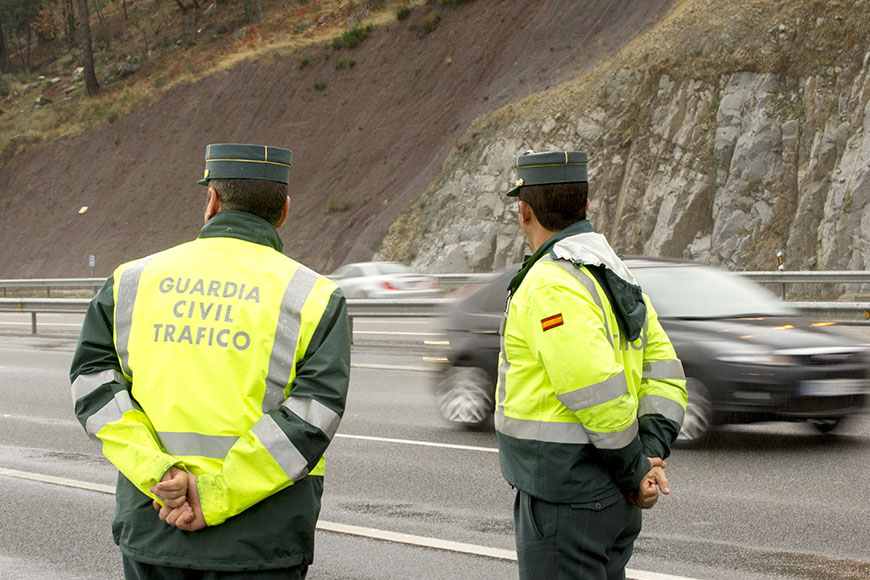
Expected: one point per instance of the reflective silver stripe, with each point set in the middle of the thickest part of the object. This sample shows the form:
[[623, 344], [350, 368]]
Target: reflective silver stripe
[[111, 411], [663, 369], [616, 440], [280, 448], [196, 444], [286, 336], [314, 413], [128, 285], [541, 430], [84, 385], [505, 365], [596, 394], [587, 282], [655, 404]]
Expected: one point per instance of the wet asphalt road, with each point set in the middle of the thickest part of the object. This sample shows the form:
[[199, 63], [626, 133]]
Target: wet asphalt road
[[759, 502]]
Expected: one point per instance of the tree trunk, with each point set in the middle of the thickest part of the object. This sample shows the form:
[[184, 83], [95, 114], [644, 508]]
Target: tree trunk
[[27, 64], [182, 6], [259, 5], [196, 4], [69, 14], [124, 6], [4, 59], [88, 50]]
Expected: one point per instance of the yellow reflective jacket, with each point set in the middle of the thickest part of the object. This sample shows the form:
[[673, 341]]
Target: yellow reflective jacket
[[231, 360], [579, 406]]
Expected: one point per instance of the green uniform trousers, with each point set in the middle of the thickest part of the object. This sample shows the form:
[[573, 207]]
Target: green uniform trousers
[[134, 570], [572, 542]]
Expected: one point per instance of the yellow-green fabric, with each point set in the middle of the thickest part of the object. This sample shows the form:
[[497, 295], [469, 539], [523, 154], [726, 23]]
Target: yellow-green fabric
[[231, 360], [184, 314], [571, 386]]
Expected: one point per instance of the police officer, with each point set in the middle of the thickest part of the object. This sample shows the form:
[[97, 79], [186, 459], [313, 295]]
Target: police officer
[[214, 375], [590, 392]]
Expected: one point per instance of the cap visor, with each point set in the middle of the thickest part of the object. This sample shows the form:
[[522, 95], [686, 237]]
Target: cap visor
[[203, 182], [514, 192]]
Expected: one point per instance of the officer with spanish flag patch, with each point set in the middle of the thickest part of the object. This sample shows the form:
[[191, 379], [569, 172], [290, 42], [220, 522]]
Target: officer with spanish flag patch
[[590, 392], [214, 375]]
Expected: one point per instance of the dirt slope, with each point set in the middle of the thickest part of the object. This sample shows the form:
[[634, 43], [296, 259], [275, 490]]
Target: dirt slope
[[374, 137]]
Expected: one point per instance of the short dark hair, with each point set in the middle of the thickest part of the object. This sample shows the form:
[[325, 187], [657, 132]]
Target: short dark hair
[[558, 205], [260, 197]]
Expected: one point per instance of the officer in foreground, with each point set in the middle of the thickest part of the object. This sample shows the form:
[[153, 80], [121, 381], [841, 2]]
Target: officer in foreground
[[214, 375], [590, 392]]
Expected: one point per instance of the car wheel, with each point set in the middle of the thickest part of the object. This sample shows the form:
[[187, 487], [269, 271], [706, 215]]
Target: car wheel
[[826, 425], [699, 414], [465, 397]]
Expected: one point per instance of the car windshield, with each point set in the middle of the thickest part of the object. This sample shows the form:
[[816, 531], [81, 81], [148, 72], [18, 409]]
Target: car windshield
[[705, 292]]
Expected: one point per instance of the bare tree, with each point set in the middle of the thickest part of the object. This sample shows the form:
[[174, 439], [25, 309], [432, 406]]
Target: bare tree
[[87, 50], [4, 60], [69, 15], [181, 6]]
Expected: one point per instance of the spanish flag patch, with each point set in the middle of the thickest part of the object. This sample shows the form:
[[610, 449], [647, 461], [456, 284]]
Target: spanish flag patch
[[552, 321]]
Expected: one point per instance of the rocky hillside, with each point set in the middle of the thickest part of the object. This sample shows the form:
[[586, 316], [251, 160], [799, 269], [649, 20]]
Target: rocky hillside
[[724, 134], [370, 126]]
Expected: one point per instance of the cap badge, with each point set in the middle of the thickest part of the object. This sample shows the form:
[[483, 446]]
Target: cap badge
[[520, 182]]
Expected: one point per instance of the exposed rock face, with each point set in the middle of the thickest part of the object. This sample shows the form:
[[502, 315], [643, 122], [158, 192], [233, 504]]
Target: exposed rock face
[[725, 171]]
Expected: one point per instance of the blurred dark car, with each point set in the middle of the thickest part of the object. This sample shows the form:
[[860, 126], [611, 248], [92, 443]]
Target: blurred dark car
[[383, 280], [748, 357]]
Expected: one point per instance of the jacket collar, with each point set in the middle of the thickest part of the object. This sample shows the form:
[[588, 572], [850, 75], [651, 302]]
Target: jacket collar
[[242, 226], [583, 226]]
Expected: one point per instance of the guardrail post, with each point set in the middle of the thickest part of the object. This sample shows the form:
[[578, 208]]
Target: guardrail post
[[33, 323]]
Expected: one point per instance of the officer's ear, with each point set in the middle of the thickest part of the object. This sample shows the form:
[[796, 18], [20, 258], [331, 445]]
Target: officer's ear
[[213, 205], [525, 212], [284, 213]]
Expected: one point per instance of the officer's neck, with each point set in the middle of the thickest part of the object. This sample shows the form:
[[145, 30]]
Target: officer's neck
[[537, 236]]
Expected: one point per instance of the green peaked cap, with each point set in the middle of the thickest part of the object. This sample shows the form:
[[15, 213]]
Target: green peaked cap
[[548, 168], [239, 161]]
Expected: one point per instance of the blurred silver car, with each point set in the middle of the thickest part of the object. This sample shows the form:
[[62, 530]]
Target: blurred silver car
[[383, 280]]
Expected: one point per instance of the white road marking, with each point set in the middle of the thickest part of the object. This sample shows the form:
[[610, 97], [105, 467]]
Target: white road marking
[[42, 324], [420, 443], [58, 480], [373, 533], [380, 367], [394, 333], [412, 540]]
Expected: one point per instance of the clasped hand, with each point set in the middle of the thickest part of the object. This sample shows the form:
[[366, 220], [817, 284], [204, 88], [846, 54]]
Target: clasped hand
[[654, 481], [181, 507]]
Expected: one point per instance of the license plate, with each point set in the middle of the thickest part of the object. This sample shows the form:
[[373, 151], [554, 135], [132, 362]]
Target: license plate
[[833, 387]]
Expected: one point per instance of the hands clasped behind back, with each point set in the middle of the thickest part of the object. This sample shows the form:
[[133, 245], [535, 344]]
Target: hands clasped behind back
[[181, 507]]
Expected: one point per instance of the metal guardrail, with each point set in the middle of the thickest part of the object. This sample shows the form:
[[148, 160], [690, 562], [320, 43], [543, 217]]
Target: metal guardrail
[[356, 308], [844, 312], [49, 283], [853, 312]]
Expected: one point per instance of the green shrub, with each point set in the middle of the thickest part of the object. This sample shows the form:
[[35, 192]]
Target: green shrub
[[403, 13], [303, 62], [319, 85], [345, 63], [430, 22], [341, 204], [351, 38], [5, 86]]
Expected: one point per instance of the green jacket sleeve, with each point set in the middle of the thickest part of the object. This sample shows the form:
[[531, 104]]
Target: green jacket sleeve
[[662, 393]]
